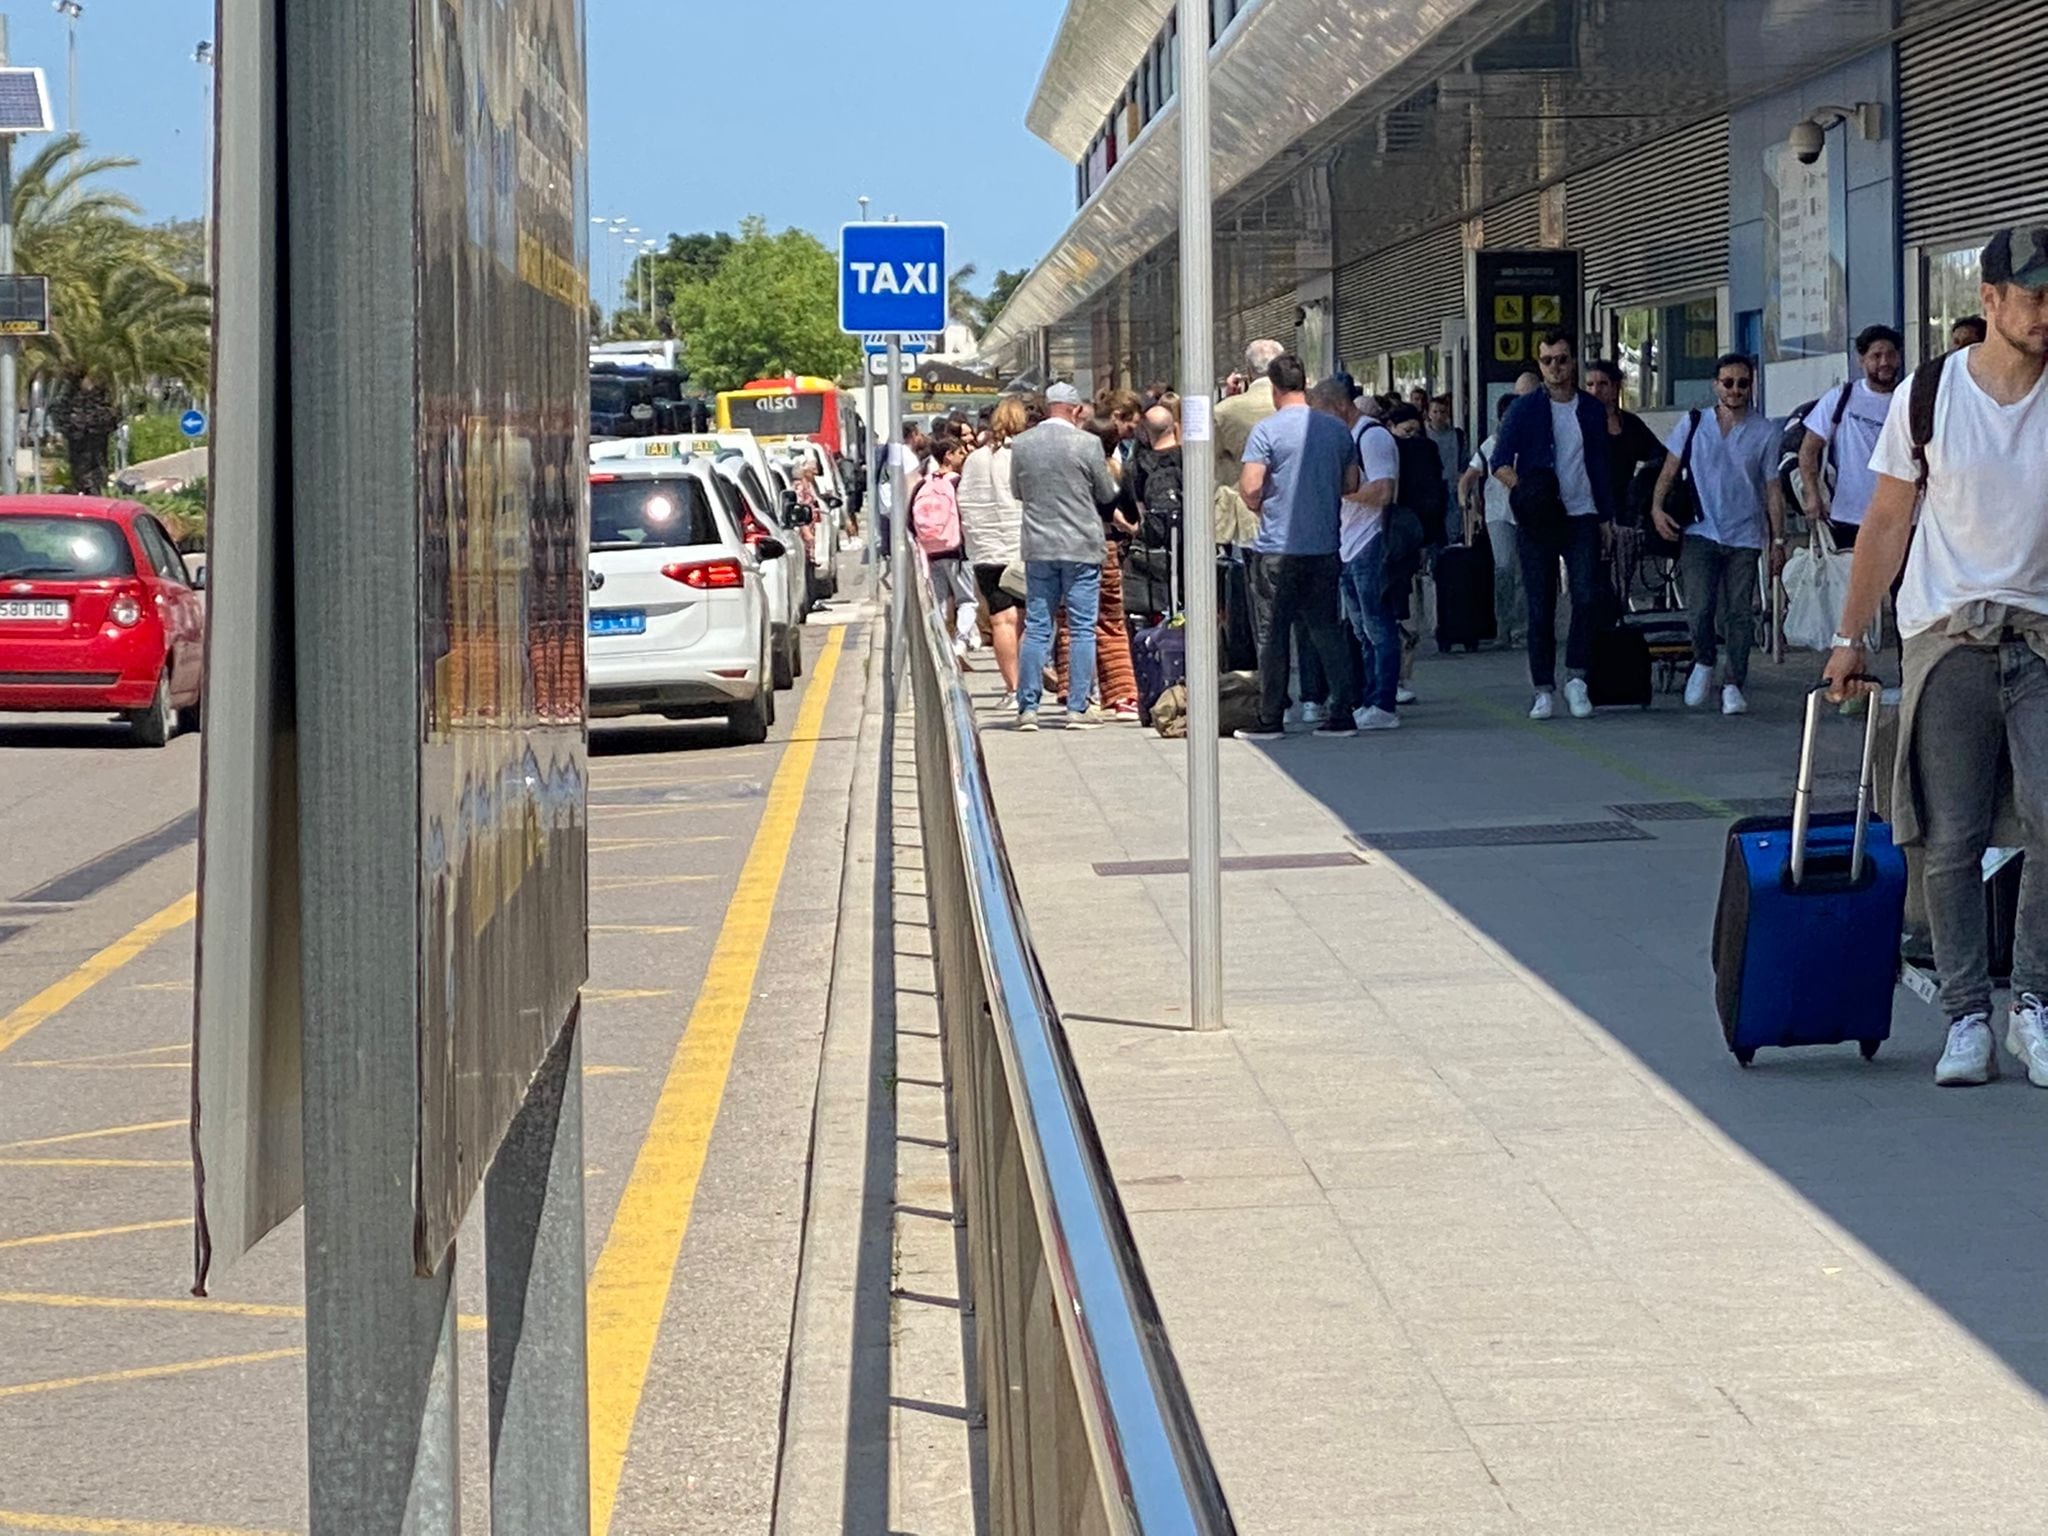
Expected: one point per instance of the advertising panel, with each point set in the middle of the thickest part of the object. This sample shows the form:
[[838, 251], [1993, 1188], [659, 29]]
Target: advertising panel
[[502, 352]]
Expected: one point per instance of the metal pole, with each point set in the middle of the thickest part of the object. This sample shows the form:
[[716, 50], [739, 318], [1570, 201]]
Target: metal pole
[[1198, 477], [533, 1277], [899, 521], [9, 347]]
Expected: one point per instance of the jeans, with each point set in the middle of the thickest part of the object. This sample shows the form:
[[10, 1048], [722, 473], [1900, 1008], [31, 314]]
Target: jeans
[[1047, 585], [1720, 594], [1579, 548], [1981, 704], [1509, 616], [1372, 621], [1303, 592]]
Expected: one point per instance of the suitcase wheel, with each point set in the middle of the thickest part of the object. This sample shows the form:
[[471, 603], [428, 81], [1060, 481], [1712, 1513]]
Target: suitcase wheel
[[1746, 1058], [1869, 1048]]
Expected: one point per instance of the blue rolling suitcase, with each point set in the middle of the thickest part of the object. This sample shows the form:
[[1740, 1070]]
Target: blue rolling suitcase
[[1159, 657], [1806, 938]]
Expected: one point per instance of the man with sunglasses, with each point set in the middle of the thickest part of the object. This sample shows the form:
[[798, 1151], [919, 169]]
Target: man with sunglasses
[[1737, 502], [1551, 455]]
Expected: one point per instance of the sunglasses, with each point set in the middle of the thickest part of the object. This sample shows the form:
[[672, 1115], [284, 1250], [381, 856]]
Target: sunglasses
[[1735, 384], [1555, 362]]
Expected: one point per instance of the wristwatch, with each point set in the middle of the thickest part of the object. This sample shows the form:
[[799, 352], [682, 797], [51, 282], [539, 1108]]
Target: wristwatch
[[1841, 642]]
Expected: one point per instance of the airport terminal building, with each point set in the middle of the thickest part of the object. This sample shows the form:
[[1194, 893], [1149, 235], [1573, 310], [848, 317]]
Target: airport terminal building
[[1409, 190]]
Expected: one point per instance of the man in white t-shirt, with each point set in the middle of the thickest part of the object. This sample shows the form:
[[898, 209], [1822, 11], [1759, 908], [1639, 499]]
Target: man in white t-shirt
[[1362, 546], [1843, 426], [1968, 439]]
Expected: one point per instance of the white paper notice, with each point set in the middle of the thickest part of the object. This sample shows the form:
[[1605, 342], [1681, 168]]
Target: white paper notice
[[1196, 413]]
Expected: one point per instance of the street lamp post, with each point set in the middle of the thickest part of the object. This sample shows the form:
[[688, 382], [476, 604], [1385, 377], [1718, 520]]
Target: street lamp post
[[202, 55], [70, 10]]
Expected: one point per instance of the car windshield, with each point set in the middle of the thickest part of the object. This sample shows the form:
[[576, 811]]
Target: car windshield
[[66, 548], [649, 514]]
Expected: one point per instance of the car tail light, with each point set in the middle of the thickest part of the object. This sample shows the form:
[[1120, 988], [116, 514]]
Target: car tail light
[[603, 479], [126, 610], [707, 575]]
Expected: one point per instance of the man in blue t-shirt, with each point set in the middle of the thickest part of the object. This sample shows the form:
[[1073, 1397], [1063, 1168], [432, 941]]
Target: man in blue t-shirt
[[1299, 465]]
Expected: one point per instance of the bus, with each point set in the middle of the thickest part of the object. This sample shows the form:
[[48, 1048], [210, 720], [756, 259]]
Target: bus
[[795, 406]]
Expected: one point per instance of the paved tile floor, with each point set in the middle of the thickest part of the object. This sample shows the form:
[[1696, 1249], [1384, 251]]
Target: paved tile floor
[[1468, 1223]]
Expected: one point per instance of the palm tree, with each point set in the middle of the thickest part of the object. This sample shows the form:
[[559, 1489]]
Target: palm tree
[[963, 304], [121, 316]]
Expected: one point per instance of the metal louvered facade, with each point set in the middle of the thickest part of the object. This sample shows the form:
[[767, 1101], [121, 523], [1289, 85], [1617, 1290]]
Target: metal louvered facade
[[1971, 99], [1653, 224], [1516, 225], [1398, 299]]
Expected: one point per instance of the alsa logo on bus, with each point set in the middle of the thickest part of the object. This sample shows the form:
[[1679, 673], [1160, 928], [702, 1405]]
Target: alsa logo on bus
[[893, 277], [776, 404]]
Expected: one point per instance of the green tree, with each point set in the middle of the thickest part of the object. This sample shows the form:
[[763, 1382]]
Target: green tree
[[772, 307], [1000, 292], [122, 316], [688, 260], [963, 304]]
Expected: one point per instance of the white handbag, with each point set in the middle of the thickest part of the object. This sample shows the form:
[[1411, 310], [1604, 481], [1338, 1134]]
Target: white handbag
[[1816, 590]]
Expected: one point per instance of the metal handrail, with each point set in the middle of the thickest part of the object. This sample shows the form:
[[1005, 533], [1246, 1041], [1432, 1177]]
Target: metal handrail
[[1149, 1464]]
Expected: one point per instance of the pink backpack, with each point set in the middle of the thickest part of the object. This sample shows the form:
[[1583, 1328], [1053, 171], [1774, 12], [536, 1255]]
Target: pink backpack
[[935, 516]]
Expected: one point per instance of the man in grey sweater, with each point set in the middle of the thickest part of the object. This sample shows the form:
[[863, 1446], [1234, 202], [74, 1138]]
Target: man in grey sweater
[[1061, 476]]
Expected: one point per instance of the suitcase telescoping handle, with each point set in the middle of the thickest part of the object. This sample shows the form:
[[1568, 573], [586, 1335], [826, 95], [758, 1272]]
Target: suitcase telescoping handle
[[1866, 786]]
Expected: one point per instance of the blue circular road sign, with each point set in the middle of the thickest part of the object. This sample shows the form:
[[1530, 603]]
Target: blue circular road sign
[[193, 423]]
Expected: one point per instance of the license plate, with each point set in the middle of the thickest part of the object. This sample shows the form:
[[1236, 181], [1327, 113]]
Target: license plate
[[618, 621], [34, 610]]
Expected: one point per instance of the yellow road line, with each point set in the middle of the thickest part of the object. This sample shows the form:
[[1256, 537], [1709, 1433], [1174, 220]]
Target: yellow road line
[[89, 1525], [151, 1372], [630, 1286], [61, 994], [1614, 763], [110, 1131], [95, 1162], [107, 1066], [89, 1233], [147, 1050], [466, 1323], [625, 994], [621, 844], [625, 810], [610, 1071]]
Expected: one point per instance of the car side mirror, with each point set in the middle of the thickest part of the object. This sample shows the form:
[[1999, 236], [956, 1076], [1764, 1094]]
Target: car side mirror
[[195, 574], [771, 549]]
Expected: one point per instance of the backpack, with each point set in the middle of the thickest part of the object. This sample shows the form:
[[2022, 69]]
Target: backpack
[[1920, 406], [1421, 486], [935, 516]]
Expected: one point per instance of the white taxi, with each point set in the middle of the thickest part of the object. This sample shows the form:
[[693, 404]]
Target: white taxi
[[678, 616], [755, 510]]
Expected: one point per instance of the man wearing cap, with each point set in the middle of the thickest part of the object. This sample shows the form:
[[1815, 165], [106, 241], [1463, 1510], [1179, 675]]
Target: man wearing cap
[[1967, 440], [1060, 475]]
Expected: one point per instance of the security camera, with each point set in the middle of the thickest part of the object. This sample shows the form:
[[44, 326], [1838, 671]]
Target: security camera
[[1808, 140]]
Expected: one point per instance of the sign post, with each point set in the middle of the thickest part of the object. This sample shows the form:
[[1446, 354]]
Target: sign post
[[1198, 475], [892, 288]]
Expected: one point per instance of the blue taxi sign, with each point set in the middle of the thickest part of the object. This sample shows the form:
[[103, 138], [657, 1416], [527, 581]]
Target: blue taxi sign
[[892, 278]]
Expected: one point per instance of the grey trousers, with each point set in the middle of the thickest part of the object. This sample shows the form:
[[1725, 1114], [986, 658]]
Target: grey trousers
[[1720, 602], [1981, 706], [1510, 606]]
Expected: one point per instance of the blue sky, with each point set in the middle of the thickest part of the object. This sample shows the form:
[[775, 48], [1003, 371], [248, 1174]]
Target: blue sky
[[700, 112]]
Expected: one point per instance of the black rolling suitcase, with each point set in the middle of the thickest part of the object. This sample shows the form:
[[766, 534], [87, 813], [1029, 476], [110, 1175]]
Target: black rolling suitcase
[[1620, 670], [1464, 596]]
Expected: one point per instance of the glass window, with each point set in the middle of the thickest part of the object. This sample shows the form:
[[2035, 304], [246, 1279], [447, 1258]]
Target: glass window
[[650, 514], [160, 551], [1414, 370], [1666, 353], [1949, 281], [68, 548]]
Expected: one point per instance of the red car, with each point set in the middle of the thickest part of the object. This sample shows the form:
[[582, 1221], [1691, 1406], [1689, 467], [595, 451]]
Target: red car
[[98, 614]]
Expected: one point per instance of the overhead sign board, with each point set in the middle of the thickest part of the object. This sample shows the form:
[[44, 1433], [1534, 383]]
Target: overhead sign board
[[24, 306], [892, 278]]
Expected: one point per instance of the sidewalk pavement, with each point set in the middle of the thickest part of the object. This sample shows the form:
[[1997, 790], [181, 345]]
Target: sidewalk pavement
[[1468, 1222]]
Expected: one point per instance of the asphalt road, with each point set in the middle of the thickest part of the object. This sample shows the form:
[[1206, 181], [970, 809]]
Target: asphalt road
[[129, 1408]]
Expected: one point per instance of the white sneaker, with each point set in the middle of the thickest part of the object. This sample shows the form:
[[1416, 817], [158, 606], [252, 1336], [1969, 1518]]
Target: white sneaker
[[1544, 705], [2026, 1036], [1972, 1054], [1581, 702], [1314, 714], [1697, 682], [1732, 701], [1005, 703], [1373, 718], [1404, 694]]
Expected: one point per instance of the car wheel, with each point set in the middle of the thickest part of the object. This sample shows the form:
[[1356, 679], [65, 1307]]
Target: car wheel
[[749, 721], [188, 718], [796, 654], [154, 725], [779, 669], [769, 694]]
